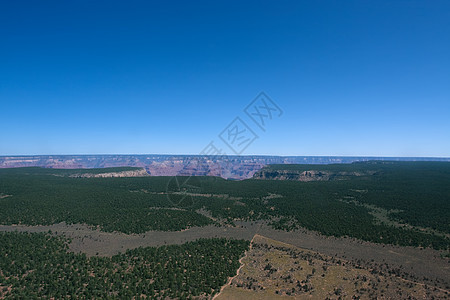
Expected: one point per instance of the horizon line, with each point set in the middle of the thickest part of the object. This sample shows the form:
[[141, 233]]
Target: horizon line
[[226, 155]]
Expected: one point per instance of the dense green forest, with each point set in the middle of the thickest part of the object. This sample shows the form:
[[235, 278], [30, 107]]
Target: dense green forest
[[40, 197], [420, 190], [414, 193], [36, 265]]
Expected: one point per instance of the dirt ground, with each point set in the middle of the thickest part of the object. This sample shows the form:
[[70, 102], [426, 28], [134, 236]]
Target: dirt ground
[[276, 270], [424, 265]]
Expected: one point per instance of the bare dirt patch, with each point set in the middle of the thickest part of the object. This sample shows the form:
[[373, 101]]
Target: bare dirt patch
[[424, 265], [276, 270]]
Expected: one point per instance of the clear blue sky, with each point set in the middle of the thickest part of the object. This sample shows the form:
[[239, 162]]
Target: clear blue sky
[[352, 77]]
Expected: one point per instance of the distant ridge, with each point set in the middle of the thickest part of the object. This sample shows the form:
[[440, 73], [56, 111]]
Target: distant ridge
[[233, 167]]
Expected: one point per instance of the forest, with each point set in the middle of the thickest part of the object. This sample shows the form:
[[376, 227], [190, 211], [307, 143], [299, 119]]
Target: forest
[[37, 265], [413, 193]]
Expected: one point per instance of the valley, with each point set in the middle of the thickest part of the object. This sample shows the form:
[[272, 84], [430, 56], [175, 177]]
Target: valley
[[371, 215]]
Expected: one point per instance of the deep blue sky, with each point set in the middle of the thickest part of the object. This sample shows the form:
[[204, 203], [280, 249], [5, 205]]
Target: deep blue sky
[[352, 77]]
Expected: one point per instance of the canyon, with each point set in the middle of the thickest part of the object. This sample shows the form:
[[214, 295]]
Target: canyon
[[229, 167]]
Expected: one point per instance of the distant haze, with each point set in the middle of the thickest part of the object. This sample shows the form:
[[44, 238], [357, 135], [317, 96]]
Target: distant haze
[[233, 167]]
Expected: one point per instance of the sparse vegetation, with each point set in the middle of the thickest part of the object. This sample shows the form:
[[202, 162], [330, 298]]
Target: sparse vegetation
[[274, 270]]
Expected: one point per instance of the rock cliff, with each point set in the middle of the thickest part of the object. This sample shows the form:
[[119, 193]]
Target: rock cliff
[[232, 167], [137, 173]]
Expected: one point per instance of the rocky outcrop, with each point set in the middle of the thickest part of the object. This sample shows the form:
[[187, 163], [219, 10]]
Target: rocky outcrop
[[233, 167], [136, 173]]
